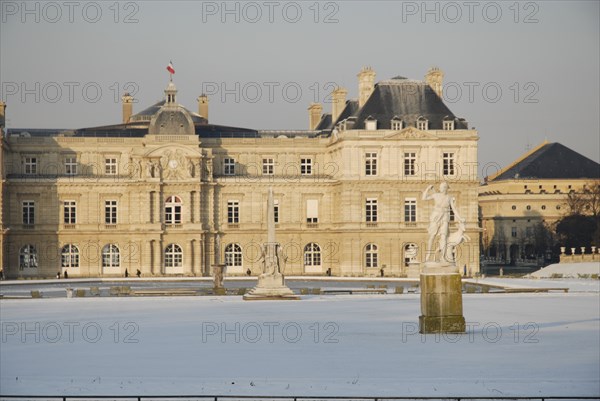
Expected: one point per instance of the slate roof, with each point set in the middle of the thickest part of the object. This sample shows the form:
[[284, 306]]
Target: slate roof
[[152, 110], [325, 123], [550, 161], [408, 100]]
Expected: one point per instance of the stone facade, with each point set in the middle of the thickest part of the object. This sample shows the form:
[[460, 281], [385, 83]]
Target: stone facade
[[154, 193], [521, 203]]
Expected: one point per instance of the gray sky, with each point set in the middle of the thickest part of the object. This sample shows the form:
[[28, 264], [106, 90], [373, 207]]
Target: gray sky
[[519, 72]]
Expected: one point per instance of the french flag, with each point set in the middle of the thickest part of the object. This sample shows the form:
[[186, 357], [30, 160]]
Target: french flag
[[170, 68]]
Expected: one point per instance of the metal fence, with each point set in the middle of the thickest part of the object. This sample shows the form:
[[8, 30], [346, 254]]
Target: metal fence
[[277, 398]]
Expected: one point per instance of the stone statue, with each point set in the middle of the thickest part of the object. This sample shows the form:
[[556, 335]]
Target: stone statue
[[219, 273], [438, 221], [271, 282], [440, 281], [149, 169]]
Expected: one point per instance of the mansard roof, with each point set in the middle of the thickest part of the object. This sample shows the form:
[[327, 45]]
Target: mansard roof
[[404, 99], [549, 161]]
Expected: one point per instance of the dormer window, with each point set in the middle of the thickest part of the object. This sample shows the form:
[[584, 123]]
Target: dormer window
[[448, 123], [370, 124], [396, 123], [422, 123]]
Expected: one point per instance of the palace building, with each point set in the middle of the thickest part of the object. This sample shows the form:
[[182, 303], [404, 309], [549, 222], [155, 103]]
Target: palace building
[[521, 203], [171, 194]]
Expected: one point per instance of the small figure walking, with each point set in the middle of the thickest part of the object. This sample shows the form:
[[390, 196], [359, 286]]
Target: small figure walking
[[58, 275], [248, 272], [138, 273], [465, 270], [328, 272], [381, 272], [1, 274], [126, 273], [66, 274]]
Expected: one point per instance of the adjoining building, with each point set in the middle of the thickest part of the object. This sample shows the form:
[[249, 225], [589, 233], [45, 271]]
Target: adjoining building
[[169, 193], [520, 203]]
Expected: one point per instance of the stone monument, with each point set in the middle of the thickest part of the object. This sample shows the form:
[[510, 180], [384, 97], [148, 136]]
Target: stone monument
[[218, 269], [271, 284], [441, 287]]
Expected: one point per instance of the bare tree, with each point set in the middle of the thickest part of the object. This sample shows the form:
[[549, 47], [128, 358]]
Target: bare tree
[[585, 202]]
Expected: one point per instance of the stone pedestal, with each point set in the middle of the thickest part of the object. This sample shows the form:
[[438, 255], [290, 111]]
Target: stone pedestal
[[441, 299], [413, 270], [270, 287]]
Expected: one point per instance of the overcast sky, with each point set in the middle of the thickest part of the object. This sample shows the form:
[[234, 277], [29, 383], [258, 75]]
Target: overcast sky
[[518, 72]]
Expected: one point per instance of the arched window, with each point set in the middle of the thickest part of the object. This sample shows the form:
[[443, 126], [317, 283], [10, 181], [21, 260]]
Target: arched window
[[173, 210], [28, 257], [173, 256], [371, 256], [233, 255], [111, 256], [69, 256], [312, 255]]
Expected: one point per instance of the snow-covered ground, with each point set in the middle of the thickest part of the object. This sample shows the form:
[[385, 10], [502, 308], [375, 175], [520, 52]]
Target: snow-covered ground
[[517, 344], [573, 270]]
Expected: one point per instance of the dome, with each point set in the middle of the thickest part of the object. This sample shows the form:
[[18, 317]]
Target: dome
[[171, 121]]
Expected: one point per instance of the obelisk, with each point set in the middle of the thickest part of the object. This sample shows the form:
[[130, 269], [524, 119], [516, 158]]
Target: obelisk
[[271, 285]]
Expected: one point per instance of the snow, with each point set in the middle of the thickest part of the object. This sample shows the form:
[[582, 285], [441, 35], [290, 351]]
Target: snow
[[568, 270], [367, 345]]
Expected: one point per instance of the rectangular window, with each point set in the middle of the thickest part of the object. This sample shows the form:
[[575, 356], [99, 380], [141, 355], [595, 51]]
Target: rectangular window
[[229, 166], [370, 163], [312, 211], [69, 212], [448, 163], [71, 165], [268, 166], [371, 210], [305, 166], [233, 212], [30, 165], [110, 212], [422, 124], [410, 210], [396, 125], [410, 160], [448, 125], [110, 166], [276, 210], [28, 213], [513, 232]]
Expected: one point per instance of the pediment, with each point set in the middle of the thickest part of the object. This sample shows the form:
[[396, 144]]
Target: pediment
[[411, 133], [173, 162]]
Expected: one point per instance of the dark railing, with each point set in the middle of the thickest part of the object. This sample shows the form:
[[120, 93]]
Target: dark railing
[[283, 398]]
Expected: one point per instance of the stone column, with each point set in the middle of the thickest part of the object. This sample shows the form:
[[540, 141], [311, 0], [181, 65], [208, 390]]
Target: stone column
[[157, 258], [202, 258], [190, 208], [211, 208], [147, 259], [189, 259]]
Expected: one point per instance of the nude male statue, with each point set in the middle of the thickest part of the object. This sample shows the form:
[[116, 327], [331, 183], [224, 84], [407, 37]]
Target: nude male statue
[[440, 216]]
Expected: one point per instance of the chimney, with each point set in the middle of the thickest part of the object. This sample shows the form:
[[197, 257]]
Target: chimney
[[2, 114], [203, 106], [127, 100], [366, 83], [315, 110], [338, 100], [435, 79]]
